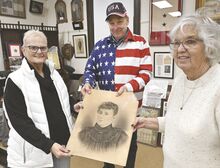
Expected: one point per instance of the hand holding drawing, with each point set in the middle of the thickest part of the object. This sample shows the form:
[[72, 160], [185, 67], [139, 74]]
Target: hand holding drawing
[[142, 122], [78, 106], [60, 151], [122, 90], [86, 89]]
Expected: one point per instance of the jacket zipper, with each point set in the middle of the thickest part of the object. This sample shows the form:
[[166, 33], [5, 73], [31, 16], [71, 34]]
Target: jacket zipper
[[24, 154]]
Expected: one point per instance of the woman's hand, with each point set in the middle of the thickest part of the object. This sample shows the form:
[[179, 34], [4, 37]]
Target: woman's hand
[[60, 151], [142, 122]]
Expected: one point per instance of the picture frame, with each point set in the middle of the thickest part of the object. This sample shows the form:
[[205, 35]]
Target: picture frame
[[148, 136], [61, 14], [13, 8], [77, 25], [14, 50], [77, 10], [14, 56], [79, 43], [209, 8], [162, 22], [36, 7], [163, 66]]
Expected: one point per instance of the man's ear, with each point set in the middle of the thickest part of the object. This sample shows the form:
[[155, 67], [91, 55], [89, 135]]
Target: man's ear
[[23, 49]]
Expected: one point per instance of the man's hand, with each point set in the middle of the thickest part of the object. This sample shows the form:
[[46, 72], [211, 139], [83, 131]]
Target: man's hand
[[86, 89], [60, 151], [121, 90], [78, 106]]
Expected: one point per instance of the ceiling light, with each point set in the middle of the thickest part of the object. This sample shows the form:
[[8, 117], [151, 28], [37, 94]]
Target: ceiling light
[[175, 14], [162, 4]]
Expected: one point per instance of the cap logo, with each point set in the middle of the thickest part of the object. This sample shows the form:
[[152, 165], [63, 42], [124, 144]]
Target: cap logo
[[112, 7], [116, 8]]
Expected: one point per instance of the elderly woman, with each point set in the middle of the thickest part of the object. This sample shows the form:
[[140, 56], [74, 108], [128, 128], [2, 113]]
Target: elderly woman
[[36, 103], [192, 122]]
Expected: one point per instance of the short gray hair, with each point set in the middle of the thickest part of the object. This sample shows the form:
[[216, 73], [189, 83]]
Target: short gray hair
[[33, 33], [208, 31]]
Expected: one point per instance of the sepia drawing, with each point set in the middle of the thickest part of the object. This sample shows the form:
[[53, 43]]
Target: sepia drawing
[[103, 128], [103, 135]]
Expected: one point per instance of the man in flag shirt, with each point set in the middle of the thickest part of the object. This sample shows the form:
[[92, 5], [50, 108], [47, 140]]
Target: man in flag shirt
[[120, 62]]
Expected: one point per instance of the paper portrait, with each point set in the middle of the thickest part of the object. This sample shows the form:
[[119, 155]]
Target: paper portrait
[[103, 128]]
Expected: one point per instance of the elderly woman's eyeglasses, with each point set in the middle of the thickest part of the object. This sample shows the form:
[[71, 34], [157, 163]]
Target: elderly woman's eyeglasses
[[35, 49], [187, 44]]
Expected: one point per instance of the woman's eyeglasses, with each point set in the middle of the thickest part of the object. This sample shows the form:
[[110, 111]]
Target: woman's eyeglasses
[[187, 44], [35, 49]]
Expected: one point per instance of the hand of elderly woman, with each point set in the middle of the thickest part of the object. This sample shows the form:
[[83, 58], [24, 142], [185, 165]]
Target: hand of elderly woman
[[142, 122], [60, 151]]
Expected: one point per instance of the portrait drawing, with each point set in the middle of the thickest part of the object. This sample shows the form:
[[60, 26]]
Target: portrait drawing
[[103, 128], [103, 135]]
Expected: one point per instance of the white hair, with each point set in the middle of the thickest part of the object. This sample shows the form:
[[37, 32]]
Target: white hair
[[208, 31], [33, 33]]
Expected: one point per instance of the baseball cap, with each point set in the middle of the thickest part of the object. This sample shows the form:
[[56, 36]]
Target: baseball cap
[[116, 8]]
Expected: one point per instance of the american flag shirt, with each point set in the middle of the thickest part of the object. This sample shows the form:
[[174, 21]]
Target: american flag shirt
[[113, 66]]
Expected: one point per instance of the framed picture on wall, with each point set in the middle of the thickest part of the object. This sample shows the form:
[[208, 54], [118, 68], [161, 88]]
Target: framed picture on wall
[[61, 14], [36, 7], [79, 42], [144, 135], [13, 8], [14, 50], [163, 65], [77, 10], [14, 56]]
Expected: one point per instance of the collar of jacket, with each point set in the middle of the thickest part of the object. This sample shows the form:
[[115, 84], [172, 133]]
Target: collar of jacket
[[29, 70]]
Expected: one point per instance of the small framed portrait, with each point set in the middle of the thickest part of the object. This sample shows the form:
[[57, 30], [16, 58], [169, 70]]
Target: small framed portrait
[[163, 65], [36, 7], [144, 135], [14, 50], [60, 8], [77, 10], [79, 42]]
